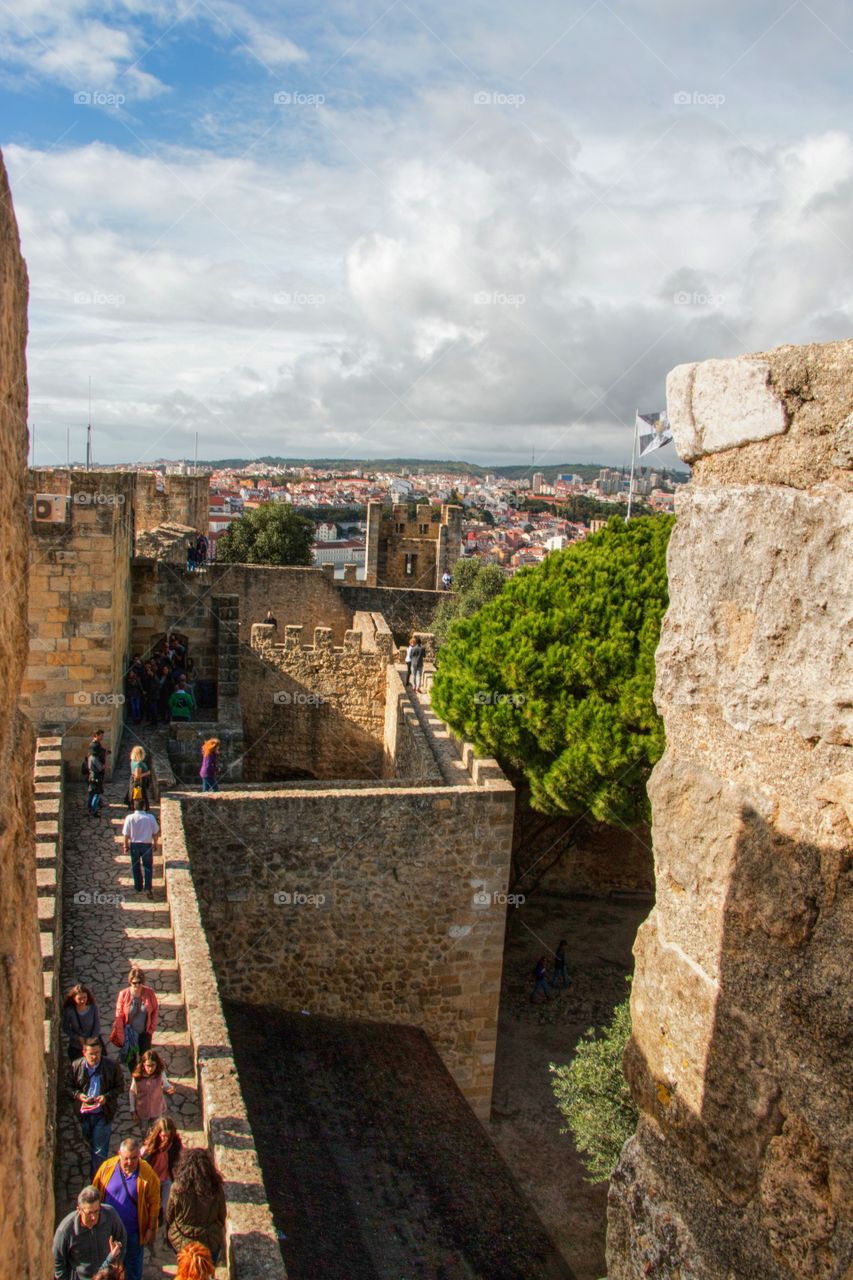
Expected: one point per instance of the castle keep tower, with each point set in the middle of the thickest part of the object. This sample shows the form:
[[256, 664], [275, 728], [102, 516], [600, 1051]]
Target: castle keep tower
[[412, 546]]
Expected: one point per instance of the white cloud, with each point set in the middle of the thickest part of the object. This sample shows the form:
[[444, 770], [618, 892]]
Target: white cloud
[[413, 271]]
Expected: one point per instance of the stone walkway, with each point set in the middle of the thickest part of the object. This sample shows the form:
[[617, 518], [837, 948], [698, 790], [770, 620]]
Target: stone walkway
[[101, 940]]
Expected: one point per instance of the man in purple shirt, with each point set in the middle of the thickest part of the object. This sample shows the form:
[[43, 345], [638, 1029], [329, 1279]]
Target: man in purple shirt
[[129, 1185]]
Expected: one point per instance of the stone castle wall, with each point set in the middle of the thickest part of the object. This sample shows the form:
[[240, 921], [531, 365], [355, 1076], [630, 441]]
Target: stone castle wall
[[742, 1009], [314, 710], [404, 611], [79, 608], [411, 545], [182, 500], [26, 1191], [367, 902]]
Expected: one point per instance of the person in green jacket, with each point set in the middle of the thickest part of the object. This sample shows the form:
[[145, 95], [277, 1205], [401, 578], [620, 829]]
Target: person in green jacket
[[181, 703]]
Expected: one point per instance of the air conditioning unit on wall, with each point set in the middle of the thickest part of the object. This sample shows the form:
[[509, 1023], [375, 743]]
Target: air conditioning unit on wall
[[50, 508]]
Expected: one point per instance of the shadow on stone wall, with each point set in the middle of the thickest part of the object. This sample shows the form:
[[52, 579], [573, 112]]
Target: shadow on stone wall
[[744, 1085]]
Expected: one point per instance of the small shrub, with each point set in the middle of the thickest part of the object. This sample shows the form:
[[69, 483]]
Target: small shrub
[[592, 1095]]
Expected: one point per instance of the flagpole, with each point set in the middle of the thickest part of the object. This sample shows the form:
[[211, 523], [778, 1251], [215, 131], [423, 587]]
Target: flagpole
[[633, 463]]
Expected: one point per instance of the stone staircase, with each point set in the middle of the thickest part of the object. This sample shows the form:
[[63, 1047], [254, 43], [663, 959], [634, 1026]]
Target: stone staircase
[[100, 940]]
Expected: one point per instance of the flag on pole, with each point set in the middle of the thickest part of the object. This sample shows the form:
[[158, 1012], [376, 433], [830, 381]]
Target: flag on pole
[[654, 432]]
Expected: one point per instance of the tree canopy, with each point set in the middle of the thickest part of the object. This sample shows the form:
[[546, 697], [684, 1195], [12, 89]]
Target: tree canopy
[[555, 675], [271, 534], [475, 582]]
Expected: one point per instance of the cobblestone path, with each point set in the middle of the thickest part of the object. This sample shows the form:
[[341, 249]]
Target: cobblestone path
[[101, 940]]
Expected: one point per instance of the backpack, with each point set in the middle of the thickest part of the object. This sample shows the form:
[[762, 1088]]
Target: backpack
[[84, 769]]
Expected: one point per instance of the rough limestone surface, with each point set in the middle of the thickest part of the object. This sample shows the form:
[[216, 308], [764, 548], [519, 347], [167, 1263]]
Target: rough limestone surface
[[742, 1006], [720, 403], [25, 1184]]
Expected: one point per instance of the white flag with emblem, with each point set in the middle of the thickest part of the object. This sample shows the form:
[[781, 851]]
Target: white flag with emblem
[[654, 432]]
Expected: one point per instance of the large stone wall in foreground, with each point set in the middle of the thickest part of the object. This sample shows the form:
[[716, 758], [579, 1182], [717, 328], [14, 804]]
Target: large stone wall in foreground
[[26, 1194], [742, 1004]]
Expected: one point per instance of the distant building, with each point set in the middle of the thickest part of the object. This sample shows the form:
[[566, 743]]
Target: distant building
[[538, 481], [412, 546]]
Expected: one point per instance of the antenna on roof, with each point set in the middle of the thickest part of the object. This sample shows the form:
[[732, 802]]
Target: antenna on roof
[[89, 432]]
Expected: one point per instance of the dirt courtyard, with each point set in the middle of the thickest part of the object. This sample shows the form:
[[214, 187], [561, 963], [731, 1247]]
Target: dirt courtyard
[[525, 1123]]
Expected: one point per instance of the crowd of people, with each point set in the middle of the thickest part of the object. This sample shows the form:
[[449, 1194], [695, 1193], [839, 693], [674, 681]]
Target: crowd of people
[[159, 688], [154, 1179]]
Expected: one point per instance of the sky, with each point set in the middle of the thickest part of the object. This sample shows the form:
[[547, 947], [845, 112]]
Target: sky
[[470, 231]]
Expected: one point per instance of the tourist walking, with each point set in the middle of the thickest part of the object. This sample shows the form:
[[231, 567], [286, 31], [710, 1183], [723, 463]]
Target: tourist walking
[[150, 693], [192, 555], [95, 1085], [408, 660], [148, 1086], [81, 1020], [96, 764], [196, 1211], [133, 690], [201, 551], [559, 975], [141, 833], [88, 1240], [136, 1018], [128, 1184], [540, 982], [417, 660], [446, 581], [209, 771], [140, 778], [270, 620], [162, 1149], [181, 703]]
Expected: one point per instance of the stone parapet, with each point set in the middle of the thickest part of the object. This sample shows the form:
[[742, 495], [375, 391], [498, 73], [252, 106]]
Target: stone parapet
[[741, 1003], [251, 1239]]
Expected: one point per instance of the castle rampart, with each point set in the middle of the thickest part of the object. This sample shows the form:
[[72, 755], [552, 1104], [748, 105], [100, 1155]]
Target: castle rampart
[[741, 1006]]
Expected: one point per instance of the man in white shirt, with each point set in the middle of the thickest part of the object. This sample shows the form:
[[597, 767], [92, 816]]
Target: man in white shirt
[[141, 833]]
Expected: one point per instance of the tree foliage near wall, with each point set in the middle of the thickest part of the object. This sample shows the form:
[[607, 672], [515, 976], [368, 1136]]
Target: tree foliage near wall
[[593, 1096], [271, 534], [474, 584], [555, 675]]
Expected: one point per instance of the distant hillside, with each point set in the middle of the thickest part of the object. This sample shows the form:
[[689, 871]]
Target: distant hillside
[[411, 466]]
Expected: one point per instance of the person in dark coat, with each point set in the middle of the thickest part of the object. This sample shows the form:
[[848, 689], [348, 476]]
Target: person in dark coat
[[95, 1085]]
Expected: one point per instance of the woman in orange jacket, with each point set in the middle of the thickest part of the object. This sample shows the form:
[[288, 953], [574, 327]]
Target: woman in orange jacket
[[136, 1018]]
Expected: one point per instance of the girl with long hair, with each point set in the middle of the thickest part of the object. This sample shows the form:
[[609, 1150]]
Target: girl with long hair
[[196, 1212], [148, 1085], [140, 777], [162, 1149], [80, 1019], [210, 764]]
